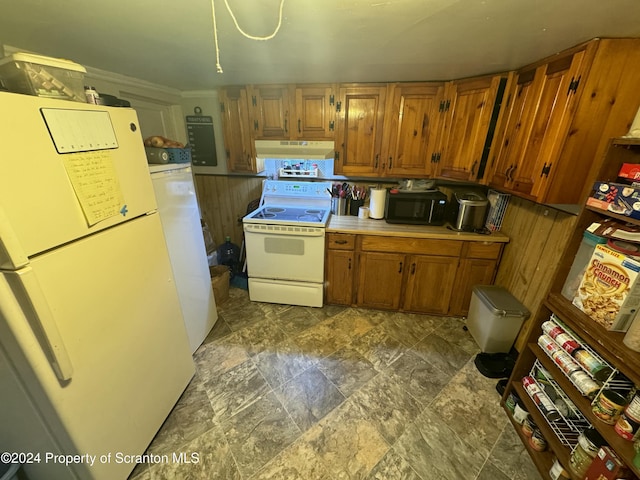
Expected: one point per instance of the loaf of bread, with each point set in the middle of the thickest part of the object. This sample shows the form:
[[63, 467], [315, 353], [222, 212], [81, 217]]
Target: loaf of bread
[[162, 142]]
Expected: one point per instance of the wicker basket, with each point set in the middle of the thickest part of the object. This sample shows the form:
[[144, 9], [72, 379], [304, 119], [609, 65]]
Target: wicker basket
[[220, 279]]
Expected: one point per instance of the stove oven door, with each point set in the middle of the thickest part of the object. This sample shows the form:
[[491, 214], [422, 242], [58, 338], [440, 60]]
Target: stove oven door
[[285, 264], [285, 252]]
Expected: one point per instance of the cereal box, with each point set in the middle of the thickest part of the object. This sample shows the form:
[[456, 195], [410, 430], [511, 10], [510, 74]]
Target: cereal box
[[610, 289]]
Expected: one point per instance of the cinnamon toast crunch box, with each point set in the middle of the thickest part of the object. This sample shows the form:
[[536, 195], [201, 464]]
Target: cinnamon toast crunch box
[[610, 290]]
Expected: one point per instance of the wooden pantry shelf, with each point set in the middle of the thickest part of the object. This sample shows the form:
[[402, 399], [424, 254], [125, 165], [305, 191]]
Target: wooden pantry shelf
[[608, 344]]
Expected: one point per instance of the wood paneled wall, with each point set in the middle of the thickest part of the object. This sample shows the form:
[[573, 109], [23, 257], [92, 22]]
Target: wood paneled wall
[[538, 237], [223, 202], [538, 234]]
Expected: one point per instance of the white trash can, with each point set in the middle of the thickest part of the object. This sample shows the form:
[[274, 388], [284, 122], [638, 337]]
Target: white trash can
[[495, 317]]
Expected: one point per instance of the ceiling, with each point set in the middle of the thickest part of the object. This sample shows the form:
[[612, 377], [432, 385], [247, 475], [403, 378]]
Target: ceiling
[[171, 43]]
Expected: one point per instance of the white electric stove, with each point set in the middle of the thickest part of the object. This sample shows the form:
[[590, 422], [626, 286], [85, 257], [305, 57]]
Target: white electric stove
[[284, 241]]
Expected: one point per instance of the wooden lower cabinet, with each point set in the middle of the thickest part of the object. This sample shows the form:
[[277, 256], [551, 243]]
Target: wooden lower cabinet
[[424, 282], [409, 274], [339, 269], [380, 280], [472, 271], [478, 266], [430, 283]]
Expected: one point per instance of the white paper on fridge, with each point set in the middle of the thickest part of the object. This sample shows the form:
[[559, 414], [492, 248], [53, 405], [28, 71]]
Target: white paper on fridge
[[610, 290], [95, 183]]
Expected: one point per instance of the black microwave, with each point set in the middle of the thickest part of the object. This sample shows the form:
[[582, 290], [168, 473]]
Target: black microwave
[[415, 207]]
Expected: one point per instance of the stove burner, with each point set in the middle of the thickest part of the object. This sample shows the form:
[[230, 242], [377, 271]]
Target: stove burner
[[309, 218], [310, 215]]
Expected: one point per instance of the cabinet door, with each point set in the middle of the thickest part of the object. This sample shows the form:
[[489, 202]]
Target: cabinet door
[[411, 129], [472, 271], [270, 106], [237, 136], [470, 105], [339, 279], [380, 280], [550, 120], [551, 125], [542, 113], [315, 113], [430, 283], [522, 102], [360, 114]]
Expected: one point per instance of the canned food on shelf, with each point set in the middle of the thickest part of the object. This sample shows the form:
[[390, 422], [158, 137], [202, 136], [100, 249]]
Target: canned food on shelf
[[537, 441], [542, 401], [595, 367], [584, 383], [566, 362], [608, 406], [628, 424], [547, 344], [520, 413], [551, 329]]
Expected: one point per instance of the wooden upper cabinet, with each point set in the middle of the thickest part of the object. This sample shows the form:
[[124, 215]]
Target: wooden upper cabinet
[[608, 101], [238, 141], [560, 81], [555, 94], [270, 107], [411, 129], [512, 145], [359, 117], [470, 109], [562, 111], [542, 109], [315, 110]]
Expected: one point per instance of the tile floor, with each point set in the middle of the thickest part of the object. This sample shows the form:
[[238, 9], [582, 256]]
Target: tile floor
[[286, 392]]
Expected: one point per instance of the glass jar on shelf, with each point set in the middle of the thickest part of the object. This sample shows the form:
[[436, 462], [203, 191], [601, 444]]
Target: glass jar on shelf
[[589, 442]]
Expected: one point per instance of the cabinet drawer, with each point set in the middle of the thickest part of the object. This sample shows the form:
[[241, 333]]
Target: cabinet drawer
[[426, 246], [340, 241], [490, 250]]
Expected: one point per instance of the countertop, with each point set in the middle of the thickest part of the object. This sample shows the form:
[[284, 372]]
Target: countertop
[[368, 226]]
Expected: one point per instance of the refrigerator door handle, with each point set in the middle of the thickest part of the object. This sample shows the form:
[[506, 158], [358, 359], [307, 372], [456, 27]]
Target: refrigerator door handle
[[27, 289]]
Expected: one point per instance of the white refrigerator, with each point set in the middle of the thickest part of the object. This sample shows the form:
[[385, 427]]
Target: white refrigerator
[[180, 216], [93, 349]]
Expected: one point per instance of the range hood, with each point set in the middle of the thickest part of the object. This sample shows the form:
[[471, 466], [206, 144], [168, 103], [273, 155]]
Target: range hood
[[295, 149]]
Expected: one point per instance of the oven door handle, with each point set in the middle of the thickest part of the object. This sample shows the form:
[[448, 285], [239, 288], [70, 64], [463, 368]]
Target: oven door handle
[[284, 230]]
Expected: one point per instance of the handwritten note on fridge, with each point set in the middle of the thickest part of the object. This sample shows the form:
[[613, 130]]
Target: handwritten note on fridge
[[95, 182]]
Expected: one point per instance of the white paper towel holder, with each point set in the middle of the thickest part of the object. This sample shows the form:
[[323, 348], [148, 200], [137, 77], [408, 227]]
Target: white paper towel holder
[[377, 200]]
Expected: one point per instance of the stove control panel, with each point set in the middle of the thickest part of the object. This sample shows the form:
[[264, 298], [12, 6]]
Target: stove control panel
[[292, 189], [289, 192]]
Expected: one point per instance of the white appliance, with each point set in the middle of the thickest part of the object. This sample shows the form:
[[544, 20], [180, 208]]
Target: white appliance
[[284, 241], [180, 216], [93, 349]]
